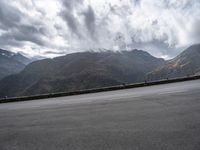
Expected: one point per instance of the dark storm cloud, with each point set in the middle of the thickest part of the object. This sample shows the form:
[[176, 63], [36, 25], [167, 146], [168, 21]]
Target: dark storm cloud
[[28, 33], [71, 4], [90, 20], [56, 53], [7, 40], [23, 33], [196, 30], [71, 21], [68, 16], [9, 16], [16, 31]]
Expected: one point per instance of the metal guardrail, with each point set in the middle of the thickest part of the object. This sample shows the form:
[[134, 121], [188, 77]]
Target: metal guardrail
[[111, 88]]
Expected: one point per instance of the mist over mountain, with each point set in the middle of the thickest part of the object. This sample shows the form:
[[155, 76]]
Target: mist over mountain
[[187, 63], [86, 70], [11, 63], [79, 71]]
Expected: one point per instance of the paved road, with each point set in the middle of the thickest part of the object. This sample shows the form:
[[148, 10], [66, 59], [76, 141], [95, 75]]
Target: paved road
[[162, 117]]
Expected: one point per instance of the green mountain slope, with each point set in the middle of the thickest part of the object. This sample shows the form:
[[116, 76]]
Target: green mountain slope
[[80, 71], [187, 63], [11, 63]]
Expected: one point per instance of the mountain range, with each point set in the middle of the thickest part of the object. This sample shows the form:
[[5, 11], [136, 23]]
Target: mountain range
[[79, 71], [186, 63], [86, 70], [11, 63]]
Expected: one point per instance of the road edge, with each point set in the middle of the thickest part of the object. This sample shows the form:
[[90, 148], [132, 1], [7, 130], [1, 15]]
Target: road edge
[[96, 90]]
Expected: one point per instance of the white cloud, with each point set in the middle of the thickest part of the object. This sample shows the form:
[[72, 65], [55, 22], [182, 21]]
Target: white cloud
[[52, 28]]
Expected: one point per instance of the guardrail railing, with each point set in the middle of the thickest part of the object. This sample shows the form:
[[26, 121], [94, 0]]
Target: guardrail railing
[[95, 90]]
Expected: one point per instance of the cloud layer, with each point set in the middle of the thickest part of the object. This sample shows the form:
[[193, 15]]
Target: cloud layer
[[52, 28]]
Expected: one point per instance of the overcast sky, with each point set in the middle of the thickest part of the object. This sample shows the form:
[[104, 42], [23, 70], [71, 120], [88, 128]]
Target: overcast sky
[[56, 27]]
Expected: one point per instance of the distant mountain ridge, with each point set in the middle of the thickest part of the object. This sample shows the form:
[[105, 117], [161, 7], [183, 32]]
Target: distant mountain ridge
[[186, 63], [11, 63], [15, 56], [86, 70], [79, 71]]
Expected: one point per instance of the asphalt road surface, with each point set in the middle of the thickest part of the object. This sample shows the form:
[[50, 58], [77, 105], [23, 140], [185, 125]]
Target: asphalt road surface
[[162, 117]]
